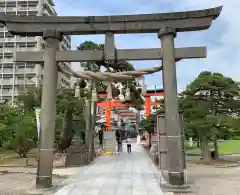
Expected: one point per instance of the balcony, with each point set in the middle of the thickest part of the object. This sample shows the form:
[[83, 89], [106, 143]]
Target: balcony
[[20, 8], [6, 82], [26, 71], [7, 50], [18, 39], [7, 39], [29, 1], [11, 9], [13, 50], [24, 39], [6, 61], [8, 71], [10, 93], [20, 82], [27, 49]]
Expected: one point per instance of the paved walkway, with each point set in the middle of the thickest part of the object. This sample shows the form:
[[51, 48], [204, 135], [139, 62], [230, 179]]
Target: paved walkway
[[124, 174]]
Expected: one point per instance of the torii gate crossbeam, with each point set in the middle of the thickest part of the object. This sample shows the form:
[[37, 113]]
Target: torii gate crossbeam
[[122, 54]]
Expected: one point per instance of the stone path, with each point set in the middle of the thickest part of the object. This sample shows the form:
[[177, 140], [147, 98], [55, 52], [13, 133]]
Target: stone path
[[124, 174]]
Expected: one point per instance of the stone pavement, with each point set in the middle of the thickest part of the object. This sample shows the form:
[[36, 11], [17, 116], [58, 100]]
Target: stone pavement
[[124, 174]]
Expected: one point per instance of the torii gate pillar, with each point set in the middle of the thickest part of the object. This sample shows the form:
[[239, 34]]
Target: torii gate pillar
[[172, 123], [147, 105], [48, 110]]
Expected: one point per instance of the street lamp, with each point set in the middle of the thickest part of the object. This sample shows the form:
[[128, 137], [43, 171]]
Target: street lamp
[[94, 95], [77, 91], [128, 95]]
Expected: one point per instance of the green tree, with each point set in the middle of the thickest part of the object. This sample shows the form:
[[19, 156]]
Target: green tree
[[17, 130], [31, 98], [24, 135], [116, 66], [148, 124], [208, 108], [68, 106]]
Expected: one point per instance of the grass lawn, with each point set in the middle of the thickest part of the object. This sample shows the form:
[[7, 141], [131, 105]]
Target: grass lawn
[[10, 158], [6, 153], [225, 147]]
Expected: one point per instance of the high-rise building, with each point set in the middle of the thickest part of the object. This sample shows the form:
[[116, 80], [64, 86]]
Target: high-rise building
[[15, 77]]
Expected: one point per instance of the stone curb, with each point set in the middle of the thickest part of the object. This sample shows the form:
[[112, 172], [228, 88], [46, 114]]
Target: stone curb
[[157, 173], [226, 165], [168, 189], [31, 173]]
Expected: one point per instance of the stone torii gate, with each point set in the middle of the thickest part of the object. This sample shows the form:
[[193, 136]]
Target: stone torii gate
[[165, 25]]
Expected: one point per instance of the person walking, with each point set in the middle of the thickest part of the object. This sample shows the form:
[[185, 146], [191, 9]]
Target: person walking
[[129, 146], [119, 145]]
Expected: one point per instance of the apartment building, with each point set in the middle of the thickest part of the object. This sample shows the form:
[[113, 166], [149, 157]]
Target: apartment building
[[15, 77]]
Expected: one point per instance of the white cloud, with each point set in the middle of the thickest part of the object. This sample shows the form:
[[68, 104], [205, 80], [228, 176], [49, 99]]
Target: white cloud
[[224, 56]]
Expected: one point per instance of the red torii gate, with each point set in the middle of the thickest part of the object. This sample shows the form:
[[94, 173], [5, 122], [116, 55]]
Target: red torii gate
[[108, 104], [148, 103]]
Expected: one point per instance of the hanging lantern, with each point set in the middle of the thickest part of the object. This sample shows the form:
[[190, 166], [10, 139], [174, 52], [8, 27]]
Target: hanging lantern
[[121, 96], [109, 92], [138, 79], [128, 95], [144, 87], [77, 92], [94, 95], [144, 91]]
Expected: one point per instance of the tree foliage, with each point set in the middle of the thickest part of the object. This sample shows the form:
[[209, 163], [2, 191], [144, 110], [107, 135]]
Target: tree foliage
[[17, 129], [68, 106], [148, 124], [209, 105], [31, 98], [116, 66]]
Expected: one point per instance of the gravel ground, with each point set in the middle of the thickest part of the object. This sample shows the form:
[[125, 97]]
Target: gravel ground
[[214, 181], [209, 180], [20, 183]]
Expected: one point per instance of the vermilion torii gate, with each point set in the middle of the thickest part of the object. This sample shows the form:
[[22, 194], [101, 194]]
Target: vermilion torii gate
[[148, 103], [108, 104], [165, 25]]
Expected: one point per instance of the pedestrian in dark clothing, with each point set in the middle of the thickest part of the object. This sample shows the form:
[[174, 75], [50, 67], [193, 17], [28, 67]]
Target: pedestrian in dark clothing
[[119, 144], [100, 136], [129, 146]]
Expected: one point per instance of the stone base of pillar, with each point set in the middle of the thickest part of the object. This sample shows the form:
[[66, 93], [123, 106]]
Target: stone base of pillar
[[43, 182], [177, 184], [178, 189], [176, 179]]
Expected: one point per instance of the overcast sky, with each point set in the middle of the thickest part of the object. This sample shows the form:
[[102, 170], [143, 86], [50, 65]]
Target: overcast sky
[[222, 39]]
